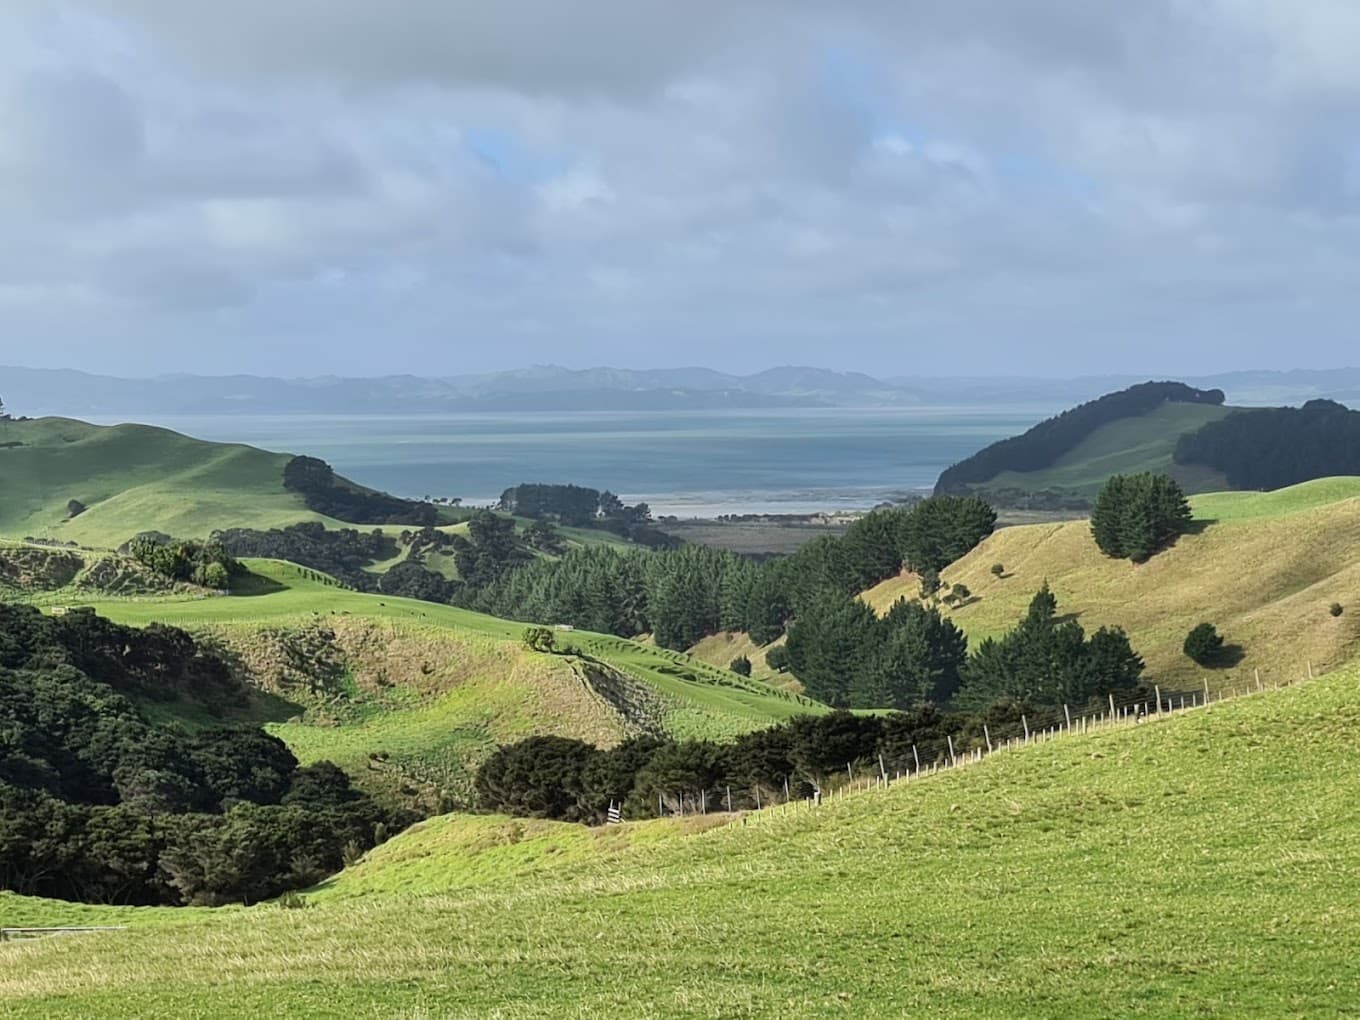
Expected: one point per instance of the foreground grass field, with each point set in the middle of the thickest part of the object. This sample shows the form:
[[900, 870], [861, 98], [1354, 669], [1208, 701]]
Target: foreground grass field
[[1202, 865], [1265, 570]]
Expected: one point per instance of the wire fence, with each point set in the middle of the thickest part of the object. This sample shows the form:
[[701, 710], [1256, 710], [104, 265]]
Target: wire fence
[[955, 751]]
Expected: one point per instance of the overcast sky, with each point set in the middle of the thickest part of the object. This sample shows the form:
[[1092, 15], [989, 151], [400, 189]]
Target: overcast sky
[[1050, 187]]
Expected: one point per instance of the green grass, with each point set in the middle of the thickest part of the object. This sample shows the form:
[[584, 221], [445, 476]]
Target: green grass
[[1265, 570], [135, 478], [1202, 865], [434, 688], [1243, 506], [1126, 446]]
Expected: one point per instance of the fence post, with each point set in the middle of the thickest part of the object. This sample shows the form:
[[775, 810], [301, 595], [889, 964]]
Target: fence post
[[988, 736], [1025, 723], [952, 760], [1158, 689], [1310, 669], [917, 757], [1068, 713], [883, 769], [1206, 690]]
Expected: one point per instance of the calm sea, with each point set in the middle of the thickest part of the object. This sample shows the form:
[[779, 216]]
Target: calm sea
[[691, 463]]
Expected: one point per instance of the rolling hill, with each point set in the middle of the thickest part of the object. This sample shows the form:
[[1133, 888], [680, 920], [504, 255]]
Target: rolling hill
[[1146, 442], [135, 478], [409, 697], [1203, 864], [1263, 567], [1062, 462]]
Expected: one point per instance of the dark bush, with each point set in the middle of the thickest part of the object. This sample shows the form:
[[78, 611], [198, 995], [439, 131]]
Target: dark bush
[[741, 665], [1204, 645]]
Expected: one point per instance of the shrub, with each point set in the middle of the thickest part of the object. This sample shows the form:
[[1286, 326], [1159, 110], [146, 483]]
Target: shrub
[[741, 665], [998, 569], [778, 659], [1336, 609], [1204, 644]]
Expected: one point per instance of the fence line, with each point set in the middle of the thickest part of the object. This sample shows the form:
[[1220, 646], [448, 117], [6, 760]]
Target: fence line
[[1119, 717]]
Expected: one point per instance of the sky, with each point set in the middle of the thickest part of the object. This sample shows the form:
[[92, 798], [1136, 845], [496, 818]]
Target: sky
[[979, 187]]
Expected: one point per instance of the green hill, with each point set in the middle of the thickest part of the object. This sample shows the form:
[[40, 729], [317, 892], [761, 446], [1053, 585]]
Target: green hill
[[1265, 568], [1061, 463], [409, 697], [1146, 442], [1200, 865], [134, 478]]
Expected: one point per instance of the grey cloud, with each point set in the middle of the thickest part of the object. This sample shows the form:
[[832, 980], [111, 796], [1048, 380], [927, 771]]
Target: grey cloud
[[767, 181]]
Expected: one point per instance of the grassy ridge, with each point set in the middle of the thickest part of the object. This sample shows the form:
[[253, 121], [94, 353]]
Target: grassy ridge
[[1265, 569], [1199, 865], [135, 478], [1126, 446]]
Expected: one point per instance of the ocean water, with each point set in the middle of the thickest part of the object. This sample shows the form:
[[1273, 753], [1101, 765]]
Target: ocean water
[[689, 463]]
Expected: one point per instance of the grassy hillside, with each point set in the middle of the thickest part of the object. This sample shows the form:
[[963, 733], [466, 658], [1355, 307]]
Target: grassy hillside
[[1202, 865], [135, 478], [410, 697], [1265, 570], [1126, 446]]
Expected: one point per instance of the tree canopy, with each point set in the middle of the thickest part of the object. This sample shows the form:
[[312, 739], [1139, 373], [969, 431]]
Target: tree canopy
[[1135, 516]]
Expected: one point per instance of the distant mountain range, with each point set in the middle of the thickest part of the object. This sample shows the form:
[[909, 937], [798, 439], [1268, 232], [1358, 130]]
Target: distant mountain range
[[552, 388]]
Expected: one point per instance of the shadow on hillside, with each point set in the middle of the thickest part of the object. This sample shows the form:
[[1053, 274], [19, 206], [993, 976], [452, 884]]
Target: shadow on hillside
[[1067, 618], [1228, 656], [255, 584], [1200, 525]]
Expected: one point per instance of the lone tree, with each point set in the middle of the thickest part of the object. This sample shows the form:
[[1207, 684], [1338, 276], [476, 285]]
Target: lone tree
[[741, 666], [1137, 515], [1204, 645]]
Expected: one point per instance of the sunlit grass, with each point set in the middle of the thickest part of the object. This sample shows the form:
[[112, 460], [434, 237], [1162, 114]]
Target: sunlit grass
[[1202, 865]]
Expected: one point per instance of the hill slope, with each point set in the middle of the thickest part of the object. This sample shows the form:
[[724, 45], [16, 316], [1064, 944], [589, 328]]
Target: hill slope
[[409, 697], [1200, 865], [135, 478], [1146, 442], [1265, 569]]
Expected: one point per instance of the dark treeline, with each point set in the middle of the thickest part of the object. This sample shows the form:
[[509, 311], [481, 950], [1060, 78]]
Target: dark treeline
[[98, 804], [315, 481], [1269, 448], [1042, 445], [581, 507], [685, 594], [555, 777], [209, 563], [343, 553]]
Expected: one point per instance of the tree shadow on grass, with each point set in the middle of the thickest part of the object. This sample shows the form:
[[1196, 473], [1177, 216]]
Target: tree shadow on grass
[[1228, 656], [253, 584]]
